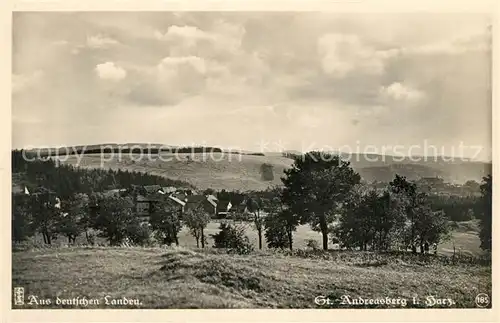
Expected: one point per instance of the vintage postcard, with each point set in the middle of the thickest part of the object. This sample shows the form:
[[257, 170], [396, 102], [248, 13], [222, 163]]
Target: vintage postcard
[[169, 157]]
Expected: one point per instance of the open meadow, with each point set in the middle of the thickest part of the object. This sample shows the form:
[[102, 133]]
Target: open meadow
[[195, 278]]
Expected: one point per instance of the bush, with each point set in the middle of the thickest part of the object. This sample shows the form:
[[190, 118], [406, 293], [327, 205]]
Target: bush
[[313, 244], [139, 233], [232, 238], [267, 172]]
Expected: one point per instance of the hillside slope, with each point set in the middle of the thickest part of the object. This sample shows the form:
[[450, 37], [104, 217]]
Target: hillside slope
[[185, 278], [222, 171], [243, 172]]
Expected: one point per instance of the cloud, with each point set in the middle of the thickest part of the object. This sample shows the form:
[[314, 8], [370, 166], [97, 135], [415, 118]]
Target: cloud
[[342, 54], [185, 33], [401, 93], [23, 82], [172, 80], [387, 74], [218, 40], [173, 65], [100, 41], [457, 46], [110, 71]]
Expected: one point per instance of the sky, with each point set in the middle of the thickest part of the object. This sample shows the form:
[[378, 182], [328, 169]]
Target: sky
[[254, 81]]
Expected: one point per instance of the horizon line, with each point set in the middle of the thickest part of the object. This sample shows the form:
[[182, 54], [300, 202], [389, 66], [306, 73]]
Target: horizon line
[[167, 146]]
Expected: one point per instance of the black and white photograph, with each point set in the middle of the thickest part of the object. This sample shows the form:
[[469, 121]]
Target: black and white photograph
[[251, 160]]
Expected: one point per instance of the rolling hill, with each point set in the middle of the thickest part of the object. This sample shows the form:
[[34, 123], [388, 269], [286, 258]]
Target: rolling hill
[[242, 171]]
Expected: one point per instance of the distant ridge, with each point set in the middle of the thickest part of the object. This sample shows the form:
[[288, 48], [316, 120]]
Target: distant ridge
[[243, 173]]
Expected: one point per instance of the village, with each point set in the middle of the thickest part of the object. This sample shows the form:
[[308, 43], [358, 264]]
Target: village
[[184, 199]]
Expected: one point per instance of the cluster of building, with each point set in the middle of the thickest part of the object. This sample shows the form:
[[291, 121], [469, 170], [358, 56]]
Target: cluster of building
[[145, 197]]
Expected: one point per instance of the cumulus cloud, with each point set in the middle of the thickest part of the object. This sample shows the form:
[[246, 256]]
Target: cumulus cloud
[[173, 65], [100, 41], [342, 54], [347, 71], [110, 71], [221, 38], [401, 93], [189, 34]]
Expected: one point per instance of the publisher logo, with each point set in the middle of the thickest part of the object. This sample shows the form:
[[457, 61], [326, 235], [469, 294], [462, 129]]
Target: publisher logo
[[18, 295], [482, 300]]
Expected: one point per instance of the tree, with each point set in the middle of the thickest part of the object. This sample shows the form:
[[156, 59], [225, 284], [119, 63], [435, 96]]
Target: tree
[[267, 172], [138, 233], [355, 227], [425, 225], [430, 227], [316, 186], [196, 220], [254, 206], [45, 214], [407, 192], [166, 221], [485, 206], [114, 217], [74, 210], [209, 191], [22, 220], [232, 237], [280, 223]]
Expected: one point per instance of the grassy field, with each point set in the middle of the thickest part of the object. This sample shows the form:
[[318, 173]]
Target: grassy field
[[193, 278], [217, 171]]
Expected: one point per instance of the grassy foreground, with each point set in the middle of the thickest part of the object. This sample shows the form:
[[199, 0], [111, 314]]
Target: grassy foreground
[[189, 278]]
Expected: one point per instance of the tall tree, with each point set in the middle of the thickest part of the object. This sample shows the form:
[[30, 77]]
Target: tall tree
[[22, 220], [197, 219], [430, 227], [166, 221], [486, 213], [254, 205], [114, 218], [356, 226], [280, 223], [407, 193], [73, 210], [315, 188], [45, 214]]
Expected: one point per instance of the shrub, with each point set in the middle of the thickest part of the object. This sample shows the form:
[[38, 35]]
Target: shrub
[[267, 172], [232, 238], [139, 233], [313, 244]]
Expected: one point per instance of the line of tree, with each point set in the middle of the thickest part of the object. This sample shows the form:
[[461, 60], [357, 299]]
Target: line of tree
[[323, 191], [47, 152], [67, 180]]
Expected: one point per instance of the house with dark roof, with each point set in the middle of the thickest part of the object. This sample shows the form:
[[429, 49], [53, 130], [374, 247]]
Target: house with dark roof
[[180, 196], [144, 205], [206, 202]]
